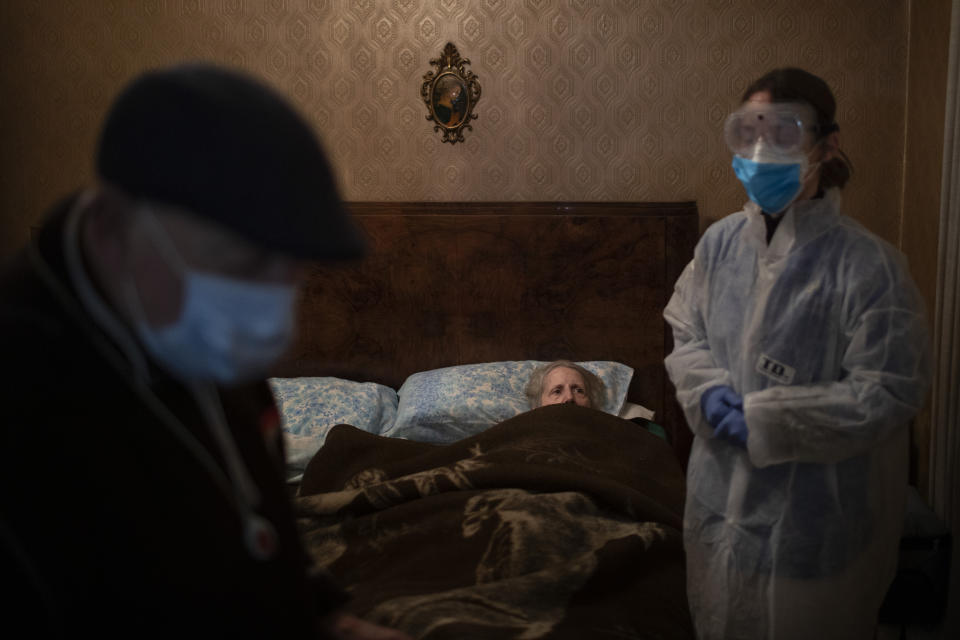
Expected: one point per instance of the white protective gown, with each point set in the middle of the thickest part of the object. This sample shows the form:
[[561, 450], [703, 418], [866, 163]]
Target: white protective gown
[[824, 335]]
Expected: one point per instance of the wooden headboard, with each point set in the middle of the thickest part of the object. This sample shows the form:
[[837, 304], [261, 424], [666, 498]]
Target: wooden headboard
[[449, 283]]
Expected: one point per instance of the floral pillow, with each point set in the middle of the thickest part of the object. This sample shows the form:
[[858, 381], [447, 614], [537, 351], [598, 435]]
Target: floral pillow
[[452, 403], [309, 407]]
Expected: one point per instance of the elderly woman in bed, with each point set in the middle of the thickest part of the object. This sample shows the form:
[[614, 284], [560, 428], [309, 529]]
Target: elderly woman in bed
[[563, 382]]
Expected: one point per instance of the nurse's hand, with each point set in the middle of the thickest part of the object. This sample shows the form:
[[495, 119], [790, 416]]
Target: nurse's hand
[[733, 428], [717, 402]]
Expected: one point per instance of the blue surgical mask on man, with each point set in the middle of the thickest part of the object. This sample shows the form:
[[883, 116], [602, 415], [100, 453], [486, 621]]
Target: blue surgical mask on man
[[229, 330]]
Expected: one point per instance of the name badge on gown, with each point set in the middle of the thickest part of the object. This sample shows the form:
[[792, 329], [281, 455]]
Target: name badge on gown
[[774, 370]]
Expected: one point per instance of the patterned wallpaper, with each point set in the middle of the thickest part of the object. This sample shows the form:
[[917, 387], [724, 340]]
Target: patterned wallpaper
[[582, 99]]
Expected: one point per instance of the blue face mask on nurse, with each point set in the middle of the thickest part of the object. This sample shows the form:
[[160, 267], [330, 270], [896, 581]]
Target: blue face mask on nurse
[[778, 148]]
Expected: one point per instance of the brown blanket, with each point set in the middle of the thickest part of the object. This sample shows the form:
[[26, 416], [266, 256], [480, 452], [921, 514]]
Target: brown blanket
[[562, 522]]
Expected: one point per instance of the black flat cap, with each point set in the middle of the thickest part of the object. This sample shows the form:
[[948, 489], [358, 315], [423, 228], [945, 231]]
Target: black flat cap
[[229, 149]]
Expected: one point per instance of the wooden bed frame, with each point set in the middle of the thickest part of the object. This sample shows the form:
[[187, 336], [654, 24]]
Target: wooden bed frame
[[448, 283]]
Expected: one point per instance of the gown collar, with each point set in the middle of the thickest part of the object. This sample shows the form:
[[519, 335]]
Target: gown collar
[[803, 221]]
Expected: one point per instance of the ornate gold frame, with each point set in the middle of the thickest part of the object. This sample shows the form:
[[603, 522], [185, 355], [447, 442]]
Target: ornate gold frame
[[450, 93]]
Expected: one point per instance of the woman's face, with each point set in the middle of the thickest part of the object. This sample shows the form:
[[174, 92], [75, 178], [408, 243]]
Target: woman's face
[[817, 151], [563, 385]]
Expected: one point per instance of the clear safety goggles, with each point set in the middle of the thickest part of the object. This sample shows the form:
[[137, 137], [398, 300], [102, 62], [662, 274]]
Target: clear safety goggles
[[784, 127]]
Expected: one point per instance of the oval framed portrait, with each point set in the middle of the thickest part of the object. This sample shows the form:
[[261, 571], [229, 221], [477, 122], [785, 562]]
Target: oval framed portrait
[[450, 93], [450, 102]]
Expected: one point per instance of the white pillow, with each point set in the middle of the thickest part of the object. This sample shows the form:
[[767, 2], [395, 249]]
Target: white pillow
[[631, 410], [452, 403], [309, 407]]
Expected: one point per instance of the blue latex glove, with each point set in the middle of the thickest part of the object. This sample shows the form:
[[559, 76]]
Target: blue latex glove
[[733, 428], [717, 402]]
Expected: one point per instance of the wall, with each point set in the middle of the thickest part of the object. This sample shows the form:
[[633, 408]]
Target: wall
[[582, 100]]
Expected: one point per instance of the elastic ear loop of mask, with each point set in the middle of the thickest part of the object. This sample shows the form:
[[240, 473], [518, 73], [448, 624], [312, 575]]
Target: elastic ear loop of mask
[[162, 242], [814, 166]]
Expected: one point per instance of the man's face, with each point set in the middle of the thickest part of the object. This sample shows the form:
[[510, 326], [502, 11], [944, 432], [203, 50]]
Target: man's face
[[159, 255], [563, 385]]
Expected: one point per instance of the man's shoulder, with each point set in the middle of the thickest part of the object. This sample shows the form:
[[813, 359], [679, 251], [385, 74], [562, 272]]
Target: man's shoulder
[[37, 335], [26, 307]]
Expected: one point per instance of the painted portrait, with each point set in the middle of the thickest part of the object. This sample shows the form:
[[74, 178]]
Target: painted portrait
[[449, 100]]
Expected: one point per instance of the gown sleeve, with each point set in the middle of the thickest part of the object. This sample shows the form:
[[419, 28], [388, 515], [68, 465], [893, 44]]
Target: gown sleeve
[[885, 375], [691, 365]]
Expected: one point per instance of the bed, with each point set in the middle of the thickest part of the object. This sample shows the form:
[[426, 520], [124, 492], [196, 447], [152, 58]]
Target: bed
[[421, 481]]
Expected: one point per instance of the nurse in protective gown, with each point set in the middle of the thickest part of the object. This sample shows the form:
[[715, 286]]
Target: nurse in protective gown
[[801, 355]]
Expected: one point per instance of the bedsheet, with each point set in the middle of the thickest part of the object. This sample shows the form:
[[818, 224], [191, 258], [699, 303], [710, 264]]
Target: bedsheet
[[562, 522]]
